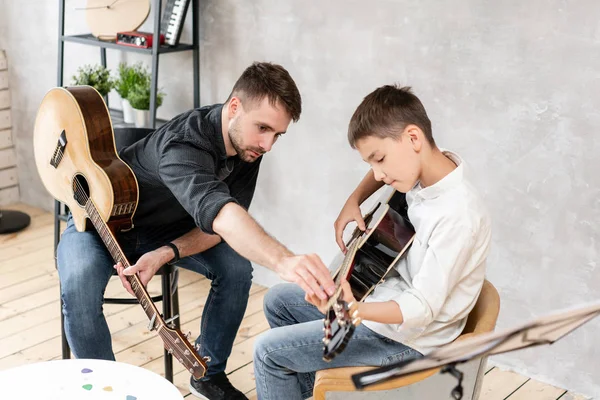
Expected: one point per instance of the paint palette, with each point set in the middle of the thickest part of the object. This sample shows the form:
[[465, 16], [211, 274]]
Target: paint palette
[[84, 380]]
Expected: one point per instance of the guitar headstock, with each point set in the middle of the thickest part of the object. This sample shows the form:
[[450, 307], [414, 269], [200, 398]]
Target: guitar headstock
[[339, 324], [178, 345]]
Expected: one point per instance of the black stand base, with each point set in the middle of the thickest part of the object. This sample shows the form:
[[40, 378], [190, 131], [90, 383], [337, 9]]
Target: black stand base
[[457, 392], [13, 221]]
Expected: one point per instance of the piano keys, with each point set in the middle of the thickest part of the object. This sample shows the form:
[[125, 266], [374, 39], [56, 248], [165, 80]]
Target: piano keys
[[172, 20]]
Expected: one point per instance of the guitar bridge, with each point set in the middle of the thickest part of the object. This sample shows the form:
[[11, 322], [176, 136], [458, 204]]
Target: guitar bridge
[[60, 150]]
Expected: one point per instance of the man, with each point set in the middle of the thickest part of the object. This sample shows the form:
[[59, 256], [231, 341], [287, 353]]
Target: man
[[426, 302], [196, 177]]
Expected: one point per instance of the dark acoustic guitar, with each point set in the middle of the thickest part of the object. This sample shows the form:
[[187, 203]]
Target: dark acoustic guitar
[[370, 257], [77, 160]]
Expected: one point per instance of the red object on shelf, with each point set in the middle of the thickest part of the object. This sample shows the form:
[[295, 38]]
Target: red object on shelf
[[137, 39]]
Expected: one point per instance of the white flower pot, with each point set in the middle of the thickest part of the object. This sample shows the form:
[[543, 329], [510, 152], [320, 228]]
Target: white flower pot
[[142, 118], [128, 114]]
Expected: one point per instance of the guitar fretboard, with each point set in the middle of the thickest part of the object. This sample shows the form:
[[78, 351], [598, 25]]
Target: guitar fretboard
[[117, 254], [343, 272]]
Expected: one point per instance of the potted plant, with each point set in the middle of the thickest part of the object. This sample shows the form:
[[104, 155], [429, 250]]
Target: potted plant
[[128, 77], [139, 98], [95, 76]]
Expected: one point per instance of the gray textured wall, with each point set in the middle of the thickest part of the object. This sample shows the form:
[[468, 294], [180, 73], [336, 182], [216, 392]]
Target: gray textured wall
[[512, 86]]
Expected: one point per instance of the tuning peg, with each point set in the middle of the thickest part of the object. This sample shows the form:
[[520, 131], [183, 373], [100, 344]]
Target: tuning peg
[[187, 335], [170, 351], [207, 359], [195, 364], [170, 320], [177, 340], [151, 326], [191, 370], [197, 347], [186, 352]]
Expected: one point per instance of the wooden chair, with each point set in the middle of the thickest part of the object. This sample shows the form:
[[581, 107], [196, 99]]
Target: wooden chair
[[482, 319]]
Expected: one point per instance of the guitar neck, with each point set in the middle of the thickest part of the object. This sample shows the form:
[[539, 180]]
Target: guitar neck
[[343, 272], [117, 254]]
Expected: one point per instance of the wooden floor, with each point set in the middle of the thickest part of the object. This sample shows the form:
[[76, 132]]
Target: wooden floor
[[30, 319]]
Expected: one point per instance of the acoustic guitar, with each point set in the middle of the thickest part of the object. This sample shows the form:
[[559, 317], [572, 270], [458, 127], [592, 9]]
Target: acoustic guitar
[[77, 161], [371, 255]]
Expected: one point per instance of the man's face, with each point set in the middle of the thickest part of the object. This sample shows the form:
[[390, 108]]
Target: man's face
[[255, 128], [396, 162]]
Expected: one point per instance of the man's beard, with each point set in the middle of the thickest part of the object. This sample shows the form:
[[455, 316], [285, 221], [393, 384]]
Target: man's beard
[[236, 141]]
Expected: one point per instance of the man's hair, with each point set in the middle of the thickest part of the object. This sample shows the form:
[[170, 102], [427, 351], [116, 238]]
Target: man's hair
[[386, 112], [263, 79]]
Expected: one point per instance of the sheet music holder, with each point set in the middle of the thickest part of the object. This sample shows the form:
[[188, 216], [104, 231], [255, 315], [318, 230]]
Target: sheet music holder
[[543, 330]]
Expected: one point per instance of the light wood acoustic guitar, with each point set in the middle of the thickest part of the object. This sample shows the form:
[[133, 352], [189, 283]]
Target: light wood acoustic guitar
[[77, 161]]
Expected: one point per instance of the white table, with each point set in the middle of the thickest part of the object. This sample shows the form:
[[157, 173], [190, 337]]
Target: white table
[[84, 380]]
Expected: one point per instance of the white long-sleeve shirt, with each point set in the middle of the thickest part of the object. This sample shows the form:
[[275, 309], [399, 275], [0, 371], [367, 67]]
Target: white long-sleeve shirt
[[439, 280]]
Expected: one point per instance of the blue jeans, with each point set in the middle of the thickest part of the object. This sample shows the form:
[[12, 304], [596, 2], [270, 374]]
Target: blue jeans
[[287, 356], [85, 266]]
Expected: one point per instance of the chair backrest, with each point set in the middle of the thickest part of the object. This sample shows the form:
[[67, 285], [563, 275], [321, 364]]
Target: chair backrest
[[484, 315], [128, 136]]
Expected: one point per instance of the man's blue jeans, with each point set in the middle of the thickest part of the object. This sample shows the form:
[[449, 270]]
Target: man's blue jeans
[[287, 356], [85, 266]]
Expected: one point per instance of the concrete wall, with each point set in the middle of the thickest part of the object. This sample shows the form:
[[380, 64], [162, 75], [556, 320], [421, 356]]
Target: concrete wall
[[512, 86]]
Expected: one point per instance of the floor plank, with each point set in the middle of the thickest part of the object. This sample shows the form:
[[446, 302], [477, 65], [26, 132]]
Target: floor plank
[[536, 390], [573, 396], [30, 319], [498, 384]]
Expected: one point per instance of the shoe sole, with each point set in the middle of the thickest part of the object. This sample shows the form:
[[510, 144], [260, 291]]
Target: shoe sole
[[197, 394]]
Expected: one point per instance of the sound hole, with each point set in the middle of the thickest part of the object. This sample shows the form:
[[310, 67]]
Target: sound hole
[[81, 190]]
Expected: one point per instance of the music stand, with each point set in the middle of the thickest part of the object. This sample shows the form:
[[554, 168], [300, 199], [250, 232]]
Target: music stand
[[542, 330], [13, 221]]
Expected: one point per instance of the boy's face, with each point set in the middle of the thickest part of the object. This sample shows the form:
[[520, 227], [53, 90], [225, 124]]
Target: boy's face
[[396, 162], [253, 130]]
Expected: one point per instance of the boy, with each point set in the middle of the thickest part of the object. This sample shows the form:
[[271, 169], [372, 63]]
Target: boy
[[426, 303]]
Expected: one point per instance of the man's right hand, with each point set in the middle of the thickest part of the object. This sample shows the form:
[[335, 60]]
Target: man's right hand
[[350, 212], [309, 272]]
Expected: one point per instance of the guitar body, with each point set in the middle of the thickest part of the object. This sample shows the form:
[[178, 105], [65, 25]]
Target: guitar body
[[73, 140], [370, 257], [388, 237]]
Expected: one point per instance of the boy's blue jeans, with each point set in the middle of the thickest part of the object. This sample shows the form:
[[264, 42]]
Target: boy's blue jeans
[[85, 266], [287, 356]]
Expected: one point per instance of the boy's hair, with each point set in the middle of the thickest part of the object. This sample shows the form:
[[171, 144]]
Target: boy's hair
[[263, 79], [386, 112]]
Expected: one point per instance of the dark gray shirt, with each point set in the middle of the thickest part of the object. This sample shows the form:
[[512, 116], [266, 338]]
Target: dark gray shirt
[[184, 174]]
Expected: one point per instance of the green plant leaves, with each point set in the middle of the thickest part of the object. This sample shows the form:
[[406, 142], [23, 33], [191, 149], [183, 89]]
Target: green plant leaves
[[132, 83], [96, 76]]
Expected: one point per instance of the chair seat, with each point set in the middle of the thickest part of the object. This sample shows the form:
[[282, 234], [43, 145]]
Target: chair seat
[[482, 319], [339, 379]]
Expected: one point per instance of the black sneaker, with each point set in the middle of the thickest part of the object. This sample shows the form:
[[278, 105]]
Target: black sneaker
[[216, 387]]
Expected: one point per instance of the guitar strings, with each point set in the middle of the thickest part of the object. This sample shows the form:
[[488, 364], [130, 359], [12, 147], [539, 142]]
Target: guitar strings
[[83, 195]]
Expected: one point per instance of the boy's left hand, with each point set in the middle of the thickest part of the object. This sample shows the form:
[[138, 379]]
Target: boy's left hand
[[347, 296]]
